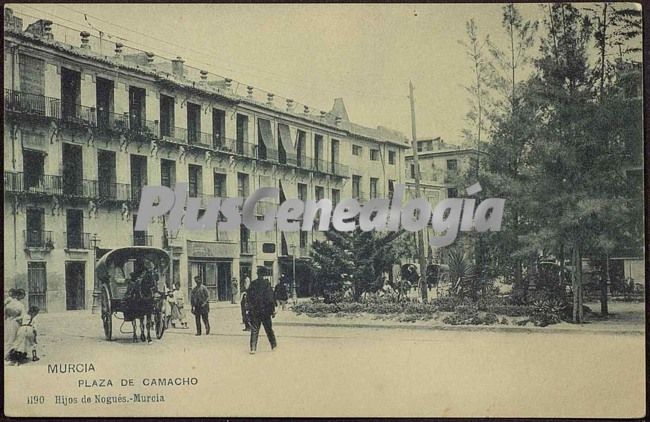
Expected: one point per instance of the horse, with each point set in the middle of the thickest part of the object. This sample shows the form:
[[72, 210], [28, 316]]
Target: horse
[[141, 304]]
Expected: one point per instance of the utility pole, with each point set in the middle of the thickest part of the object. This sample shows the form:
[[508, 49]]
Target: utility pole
[[422, 259]]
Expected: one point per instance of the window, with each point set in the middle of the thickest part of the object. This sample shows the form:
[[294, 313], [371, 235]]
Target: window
[[138, 176], [301, 149], [391, 157], [452, 165], [319, 192], [220, 185], [72, 160], [106, 176], [356, 187], [137, 108], [374, 154], [242, 136], [218, 128], [195, 180], [167, 173], [336, 197], [265, 140], [335, 151], [242, 185], [33, 169], [70, 94], [373, 187], [452, 193], [391, 188], [244, 239], [104, 93], [318, 149], [412, 167], [356, 150], [302, 191], [37, 285], [193, 123], [76, 238], [35, 235], [167, 122]]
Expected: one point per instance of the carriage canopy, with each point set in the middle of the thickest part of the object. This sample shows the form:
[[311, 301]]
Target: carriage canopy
[[111, 268]]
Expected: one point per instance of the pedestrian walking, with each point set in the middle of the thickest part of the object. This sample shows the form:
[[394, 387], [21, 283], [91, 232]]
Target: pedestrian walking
[[200, 306], [234, 290], [178, 307], [261, 305], [281, 294]]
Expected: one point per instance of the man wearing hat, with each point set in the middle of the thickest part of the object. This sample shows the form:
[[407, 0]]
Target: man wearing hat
[[261, 305], [200, 305]]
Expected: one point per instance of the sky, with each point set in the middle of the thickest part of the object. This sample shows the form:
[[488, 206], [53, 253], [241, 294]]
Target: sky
[[314, 53]]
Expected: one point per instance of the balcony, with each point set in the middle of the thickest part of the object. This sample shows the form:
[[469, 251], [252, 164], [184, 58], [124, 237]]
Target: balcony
[[267, 154], [39, 239], [77, 115], [31, 104], [33, 183], [339, 169], [113, 191], [247, 247], [451, 176], [112, 122], [141, 239], [239, 147], [77, 240], [264, 205], [136, 193], [79, 188], [143, 126]]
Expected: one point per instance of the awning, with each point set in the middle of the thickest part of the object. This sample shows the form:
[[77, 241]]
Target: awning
[[266, 132], [285, 138], [35, 141]]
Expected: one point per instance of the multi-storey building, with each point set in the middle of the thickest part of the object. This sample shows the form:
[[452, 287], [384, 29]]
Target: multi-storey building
[[441, 164], [88, 125]]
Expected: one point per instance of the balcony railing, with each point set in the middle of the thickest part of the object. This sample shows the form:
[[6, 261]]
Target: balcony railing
[[113, 191], [77, 114], [80, 188], [108, 121], [143, 126], [40, 105], [136, 193], [267, 154], [141, 239], [33, 183], [38, 239], [77, 240], [247, 247]]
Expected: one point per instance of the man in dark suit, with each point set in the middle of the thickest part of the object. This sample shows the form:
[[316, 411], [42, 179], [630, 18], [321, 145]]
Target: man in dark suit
[[200, 305], [261, 306]]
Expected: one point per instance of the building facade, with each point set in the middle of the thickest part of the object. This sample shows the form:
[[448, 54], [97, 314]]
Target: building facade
[[88, 125]]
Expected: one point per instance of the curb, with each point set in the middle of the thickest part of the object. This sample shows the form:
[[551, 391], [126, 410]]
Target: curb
[[467, 328]]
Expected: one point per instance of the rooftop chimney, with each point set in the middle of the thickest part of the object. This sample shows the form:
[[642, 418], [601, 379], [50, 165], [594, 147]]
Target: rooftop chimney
[[249, 89], [322, 115], [42, 28], [118, 49], [204, 75], [269, 99], [85, 39], [306, 110], [289, 104], [177, 67], [228, 83], [150, 56]]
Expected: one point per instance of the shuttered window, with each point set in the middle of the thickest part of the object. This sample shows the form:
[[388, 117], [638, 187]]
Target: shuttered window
[[37, 285], [32, 75]]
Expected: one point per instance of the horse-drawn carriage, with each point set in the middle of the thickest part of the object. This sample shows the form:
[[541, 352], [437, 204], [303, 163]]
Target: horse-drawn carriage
[[133, 281]]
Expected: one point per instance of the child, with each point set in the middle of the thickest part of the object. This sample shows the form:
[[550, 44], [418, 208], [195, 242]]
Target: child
[[14, 313], [25, 340]]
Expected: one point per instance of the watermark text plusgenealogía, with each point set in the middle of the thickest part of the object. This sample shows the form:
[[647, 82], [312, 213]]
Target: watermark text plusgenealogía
[[446, 218]]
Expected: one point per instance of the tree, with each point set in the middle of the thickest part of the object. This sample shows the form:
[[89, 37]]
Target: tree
[[364, 256]]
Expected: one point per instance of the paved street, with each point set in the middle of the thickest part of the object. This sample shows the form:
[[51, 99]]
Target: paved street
[[343, 371]]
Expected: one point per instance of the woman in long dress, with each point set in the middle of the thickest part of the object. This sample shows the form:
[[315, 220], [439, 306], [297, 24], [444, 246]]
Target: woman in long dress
[[14, 313], [178, 307], [25, 341]]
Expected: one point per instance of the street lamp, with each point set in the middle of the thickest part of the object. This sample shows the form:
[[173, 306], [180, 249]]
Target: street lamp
[[96, 291], [294, 296]]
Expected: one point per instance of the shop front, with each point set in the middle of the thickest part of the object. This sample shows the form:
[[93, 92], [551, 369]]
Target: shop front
[[213, 263]]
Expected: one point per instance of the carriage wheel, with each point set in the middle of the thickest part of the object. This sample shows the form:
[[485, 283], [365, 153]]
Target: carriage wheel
[[159, 323], [107, 314]]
